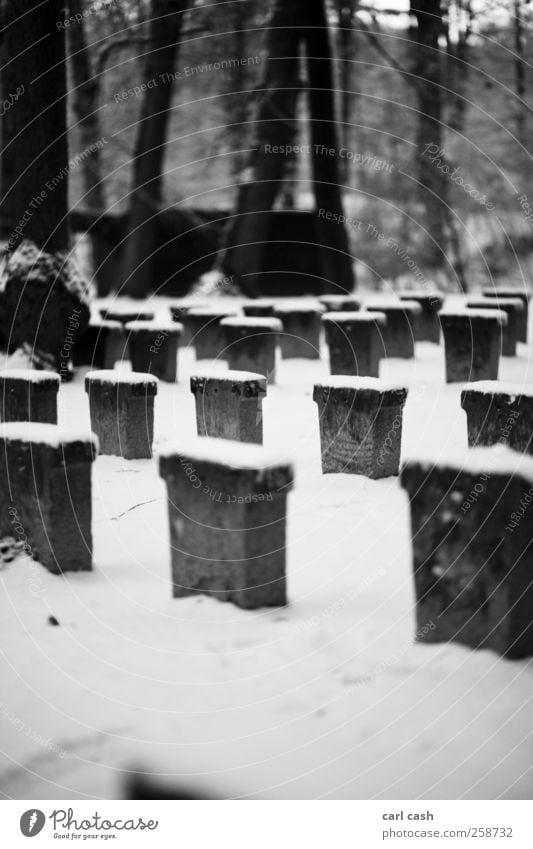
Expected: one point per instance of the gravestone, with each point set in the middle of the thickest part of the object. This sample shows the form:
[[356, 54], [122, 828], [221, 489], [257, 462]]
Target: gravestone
[[360, 425], [122, 412], [355, 342], [229, 405], [227, 513], [472, 561]]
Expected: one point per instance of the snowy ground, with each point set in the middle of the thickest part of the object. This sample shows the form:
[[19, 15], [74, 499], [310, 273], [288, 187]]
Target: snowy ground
[[328, 697]]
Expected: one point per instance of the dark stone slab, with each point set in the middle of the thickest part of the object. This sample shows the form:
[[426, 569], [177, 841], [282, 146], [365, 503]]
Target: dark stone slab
[[499, 412], [122, 412], [472, 563], [229, 405], [355, 342], [227, 513], [360, 425]]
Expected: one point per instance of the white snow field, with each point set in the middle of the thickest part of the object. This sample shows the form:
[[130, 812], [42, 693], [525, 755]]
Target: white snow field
[[329, 697]]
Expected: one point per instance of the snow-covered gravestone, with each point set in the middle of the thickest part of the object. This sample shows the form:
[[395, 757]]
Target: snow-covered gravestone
[[229, 405], [399, 332], [355, 342], [508, 292], [472, 342], [122, 412], [227, 511], [203, 325], [251, 344], [45, 494], [472, 561], [340, 303], [427, 324], [360, 425], [101, 346], [301, 330], [153, 348], [259, 308], [514, 308], [124, 315], [28, 395], [499, 412]]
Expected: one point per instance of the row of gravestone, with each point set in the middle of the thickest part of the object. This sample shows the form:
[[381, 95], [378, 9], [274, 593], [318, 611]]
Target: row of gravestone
[[475, 335], [472, 536]]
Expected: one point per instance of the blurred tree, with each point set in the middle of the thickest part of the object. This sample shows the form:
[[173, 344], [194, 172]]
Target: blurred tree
[[303, 22], [346, 37], [85, 105], [433, 181], [275, 125], [459, 25], [165, 27], [40, 289], [520, 73]]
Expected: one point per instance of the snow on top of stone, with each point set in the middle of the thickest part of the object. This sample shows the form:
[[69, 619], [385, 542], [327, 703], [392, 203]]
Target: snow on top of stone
[[120, 376], [339, 299], [459, 312], [407, 294], [492, 460], [348, 316], [506, 292], [498, 387], [295, 306], [393, 304], [157, 325], [214, 311], [342, 381], [34, 375], [229, 375], [260, 302], [48, 434], [485, 303], [252, 321], [108, 323], [237, 455]]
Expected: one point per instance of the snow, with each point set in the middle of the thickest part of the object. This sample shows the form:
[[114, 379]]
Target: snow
[[507, 292], [485, 303], [412, 306], [29, 374], [229, 376], [252, 322], [340, 381], [498, 387], [495, 314], [157, 326], [237, 455], [419, 293], [328, 697], [339, 317], [47, 434], [493, 460], [291, 307], [115, 376], [106, 323], [214, 312]]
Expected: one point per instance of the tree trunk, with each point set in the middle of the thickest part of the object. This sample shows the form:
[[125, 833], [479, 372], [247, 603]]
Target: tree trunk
[[346, 37], [34, 53], [458, 65], [433, 182], [336, 259], [39, 289], [520, 78], [85, 98], [166, 22], [275, 126]]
